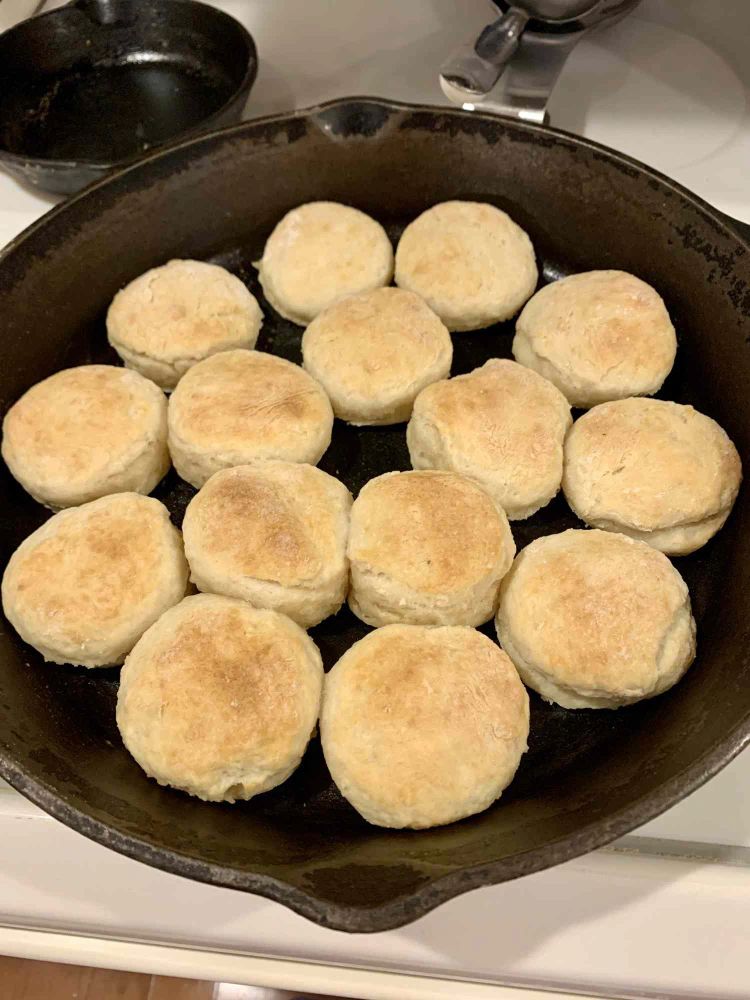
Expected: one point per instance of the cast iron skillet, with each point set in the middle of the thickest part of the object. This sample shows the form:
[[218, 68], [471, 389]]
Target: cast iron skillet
[[589, 775], [95, 83]]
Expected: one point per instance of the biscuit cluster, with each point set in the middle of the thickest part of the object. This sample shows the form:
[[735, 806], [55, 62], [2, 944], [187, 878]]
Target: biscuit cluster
[[425, 720]]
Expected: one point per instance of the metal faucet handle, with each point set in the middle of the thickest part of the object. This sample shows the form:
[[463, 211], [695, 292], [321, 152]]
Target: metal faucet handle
[[532, 55], [476, 68]]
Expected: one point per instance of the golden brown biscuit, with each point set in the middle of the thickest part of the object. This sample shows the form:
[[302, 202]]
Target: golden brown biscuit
[[374, 352], [172, 316], [423, 726], [241, 406], [86, 432], [219, 699], [597, 336], [273, 534], [594, 619], [320, 252], [428, 548], [657, 471], [469, 261], [501, 425], [85, 586]]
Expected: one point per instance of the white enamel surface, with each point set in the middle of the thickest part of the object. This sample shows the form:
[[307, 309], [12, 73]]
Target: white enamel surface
[[13, 11], [609, 922]]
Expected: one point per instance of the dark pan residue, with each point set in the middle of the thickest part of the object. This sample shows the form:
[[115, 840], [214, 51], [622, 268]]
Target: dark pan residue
[[151, 100]]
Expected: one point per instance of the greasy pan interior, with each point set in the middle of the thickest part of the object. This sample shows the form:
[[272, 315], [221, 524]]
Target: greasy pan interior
[[589, 775]]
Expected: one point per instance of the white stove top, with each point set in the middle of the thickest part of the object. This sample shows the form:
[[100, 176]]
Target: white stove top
[[668, 85]]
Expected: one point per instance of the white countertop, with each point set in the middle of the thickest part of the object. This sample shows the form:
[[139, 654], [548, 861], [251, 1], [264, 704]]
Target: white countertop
[[613, 923], [667, 85]]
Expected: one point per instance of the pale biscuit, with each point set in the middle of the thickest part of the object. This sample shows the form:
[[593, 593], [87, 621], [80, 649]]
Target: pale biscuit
[[427, 548], [273, 534], [320, 252], [85, 586], [220, 699], [594, 619], [374, 352], [658, 471], [237, 407], [469, 261], [86, 432], [598, 336], [172, 316], [423, 726], [501, 425]]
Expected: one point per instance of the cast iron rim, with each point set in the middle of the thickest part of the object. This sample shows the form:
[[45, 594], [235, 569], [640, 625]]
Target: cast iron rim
[[417, 903], [202, 128]]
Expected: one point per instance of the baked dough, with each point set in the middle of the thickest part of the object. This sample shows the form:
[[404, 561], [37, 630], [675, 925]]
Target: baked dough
[[320, 252], [429, 548], [85, 586], [86, 432], [423, 726], [598, 336], [374, 352], [658, 471], [240, 406], [172, 316], [501, 425], [273, 534], [220, 699], [469, 261], [594, 619]]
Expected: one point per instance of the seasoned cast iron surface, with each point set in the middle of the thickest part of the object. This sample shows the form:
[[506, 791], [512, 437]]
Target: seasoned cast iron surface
[[588, 775], [97, 82]]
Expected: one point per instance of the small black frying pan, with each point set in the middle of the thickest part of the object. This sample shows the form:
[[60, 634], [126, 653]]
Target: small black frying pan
[[96, 83]]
